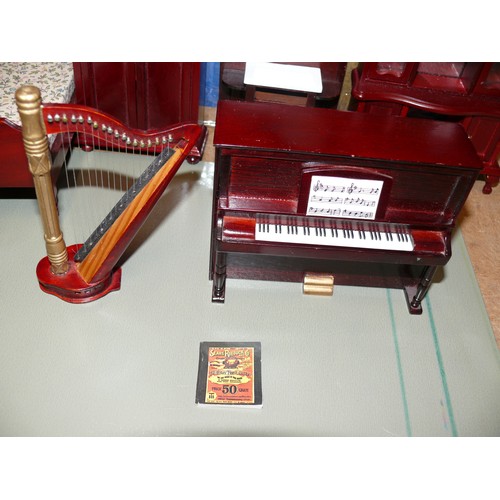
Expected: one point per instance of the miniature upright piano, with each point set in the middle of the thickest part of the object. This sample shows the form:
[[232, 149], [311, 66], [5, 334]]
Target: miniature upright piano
[[356, 198]]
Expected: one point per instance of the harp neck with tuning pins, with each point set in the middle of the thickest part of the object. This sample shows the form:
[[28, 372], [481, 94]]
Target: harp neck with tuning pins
[[85, 272]]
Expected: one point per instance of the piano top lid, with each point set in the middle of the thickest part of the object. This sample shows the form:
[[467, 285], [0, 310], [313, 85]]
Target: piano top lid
[[319, 131]]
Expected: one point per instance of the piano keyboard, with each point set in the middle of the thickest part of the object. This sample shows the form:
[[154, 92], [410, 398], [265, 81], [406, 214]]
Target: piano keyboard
[[394, 237]]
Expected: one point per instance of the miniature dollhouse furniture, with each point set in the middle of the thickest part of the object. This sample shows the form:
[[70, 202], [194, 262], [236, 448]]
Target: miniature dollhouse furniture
[[57, 84], [299, 197], [464, 92], [144, 96], [80, 273], [232, 86]]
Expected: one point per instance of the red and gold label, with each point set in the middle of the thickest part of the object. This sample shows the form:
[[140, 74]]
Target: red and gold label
[[230, 375]]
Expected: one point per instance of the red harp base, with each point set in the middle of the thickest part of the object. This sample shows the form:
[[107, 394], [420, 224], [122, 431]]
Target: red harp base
[[71, 287]]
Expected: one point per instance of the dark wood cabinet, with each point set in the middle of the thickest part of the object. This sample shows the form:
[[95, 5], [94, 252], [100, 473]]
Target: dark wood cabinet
[[143, 95], [467, 92]]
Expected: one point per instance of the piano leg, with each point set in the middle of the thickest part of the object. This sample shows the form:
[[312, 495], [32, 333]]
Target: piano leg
[[490, 182], [415, 294], [219, 278]]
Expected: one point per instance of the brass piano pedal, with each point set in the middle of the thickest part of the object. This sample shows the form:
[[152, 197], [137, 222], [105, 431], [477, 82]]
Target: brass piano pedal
[[318, 284]]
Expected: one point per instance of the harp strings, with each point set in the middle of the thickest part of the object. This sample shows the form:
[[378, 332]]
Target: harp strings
[[96, 175], [78, 198], [69, 207], [88, 212]]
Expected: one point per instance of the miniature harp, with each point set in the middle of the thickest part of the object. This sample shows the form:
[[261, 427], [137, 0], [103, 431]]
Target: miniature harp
[[85, 272]]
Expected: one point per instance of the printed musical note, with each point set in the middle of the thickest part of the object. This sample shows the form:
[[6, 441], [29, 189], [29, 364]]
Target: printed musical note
[[319, 186], [355, 214], [327, 199], [352, 188], [360, 201], [325, 211]]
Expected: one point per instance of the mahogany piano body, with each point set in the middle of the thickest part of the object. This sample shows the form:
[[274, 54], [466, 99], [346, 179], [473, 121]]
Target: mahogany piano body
[[268, 162]]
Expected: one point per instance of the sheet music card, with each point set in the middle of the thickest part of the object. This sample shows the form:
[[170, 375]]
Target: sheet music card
[[344, 197]]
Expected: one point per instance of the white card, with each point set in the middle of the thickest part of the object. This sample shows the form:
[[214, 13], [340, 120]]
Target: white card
[[283, 76]]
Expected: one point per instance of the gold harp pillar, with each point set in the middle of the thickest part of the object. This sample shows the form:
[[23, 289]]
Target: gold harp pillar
[[28, 100]]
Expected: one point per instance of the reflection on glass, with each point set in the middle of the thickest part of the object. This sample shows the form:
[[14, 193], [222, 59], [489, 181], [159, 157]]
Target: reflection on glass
[[391, 68]]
